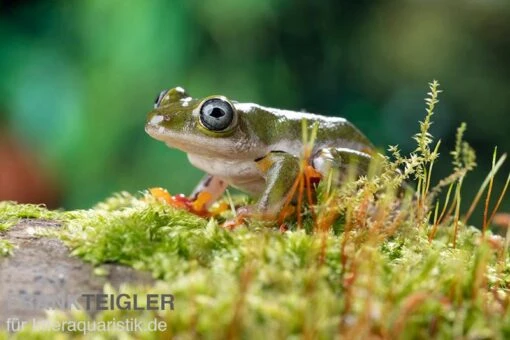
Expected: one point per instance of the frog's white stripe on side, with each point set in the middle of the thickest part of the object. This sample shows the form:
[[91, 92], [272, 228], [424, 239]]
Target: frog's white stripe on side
[[288, 114], [296, 148]]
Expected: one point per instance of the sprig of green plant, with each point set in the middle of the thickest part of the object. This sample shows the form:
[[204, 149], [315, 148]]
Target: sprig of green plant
[[464, 161]]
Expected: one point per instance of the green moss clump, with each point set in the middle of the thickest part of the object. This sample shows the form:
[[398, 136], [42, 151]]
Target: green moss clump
[[12, 211], [262, 282], [6, 248]]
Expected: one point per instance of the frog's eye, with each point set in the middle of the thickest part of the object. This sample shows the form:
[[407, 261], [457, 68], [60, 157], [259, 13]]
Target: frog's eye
[[216, 114], [159, 98]]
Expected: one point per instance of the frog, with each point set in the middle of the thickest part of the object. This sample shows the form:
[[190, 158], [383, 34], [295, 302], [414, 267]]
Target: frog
[[254, 148]]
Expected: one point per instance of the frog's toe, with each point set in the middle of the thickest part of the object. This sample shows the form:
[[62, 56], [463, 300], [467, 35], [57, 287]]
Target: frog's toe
[[232, 224]]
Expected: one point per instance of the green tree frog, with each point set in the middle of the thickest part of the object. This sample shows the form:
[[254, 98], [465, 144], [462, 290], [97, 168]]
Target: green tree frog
[[253, 148]]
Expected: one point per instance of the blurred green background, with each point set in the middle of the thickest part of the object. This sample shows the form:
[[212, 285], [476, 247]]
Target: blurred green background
[[78, 77]]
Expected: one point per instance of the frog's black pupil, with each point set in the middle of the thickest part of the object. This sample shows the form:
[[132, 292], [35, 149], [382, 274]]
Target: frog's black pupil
[[217, 112]]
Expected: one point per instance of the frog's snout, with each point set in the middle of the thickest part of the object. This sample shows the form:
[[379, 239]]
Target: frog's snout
[[154, 118], [153, 123]]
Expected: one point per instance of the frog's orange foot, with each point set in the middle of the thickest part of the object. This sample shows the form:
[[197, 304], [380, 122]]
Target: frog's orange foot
[[241, 215], [234, 223], [180, 201], [283, 228], [251, 211]]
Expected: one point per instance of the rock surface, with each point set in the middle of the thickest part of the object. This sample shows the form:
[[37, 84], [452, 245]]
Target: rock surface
[[41, 274]]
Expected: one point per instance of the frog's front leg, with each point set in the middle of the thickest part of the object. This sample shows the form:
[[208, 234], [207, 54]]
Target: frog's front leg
[[212, 186], [280, 170]]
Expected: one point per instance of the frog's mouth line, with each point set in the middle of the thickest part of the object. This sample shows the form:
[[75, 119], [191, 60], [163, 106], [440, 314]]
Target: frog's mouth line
[[170, 138], [200, 145]]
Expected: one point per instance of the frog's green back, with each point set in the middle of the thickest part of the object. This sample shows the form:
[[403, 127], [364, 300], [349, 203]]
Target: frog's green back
[[277, 127]]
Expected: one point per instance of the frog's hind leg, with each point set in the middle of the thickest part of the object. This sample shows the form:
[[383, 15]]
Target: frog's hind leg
[[281, 169], [212, 185], [340, 163]]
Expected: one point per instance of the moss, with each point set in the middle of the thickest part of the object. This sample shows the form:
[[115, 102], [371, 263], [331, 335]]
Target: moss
[[296, 282], [6, 248], [10, 211]]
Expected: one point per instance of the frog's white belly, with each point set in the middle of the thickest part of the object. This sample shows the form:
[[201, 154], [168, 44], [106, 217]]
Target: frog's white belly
[[242, 174]]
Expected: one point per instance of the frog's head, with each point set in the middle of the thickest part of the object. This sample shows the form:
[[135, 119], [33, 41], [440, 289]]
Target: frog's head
[[209, 126]]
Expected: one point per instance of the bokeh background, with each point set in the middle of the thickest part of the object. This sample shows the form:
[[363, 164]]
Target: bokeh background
[[78, 77]]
